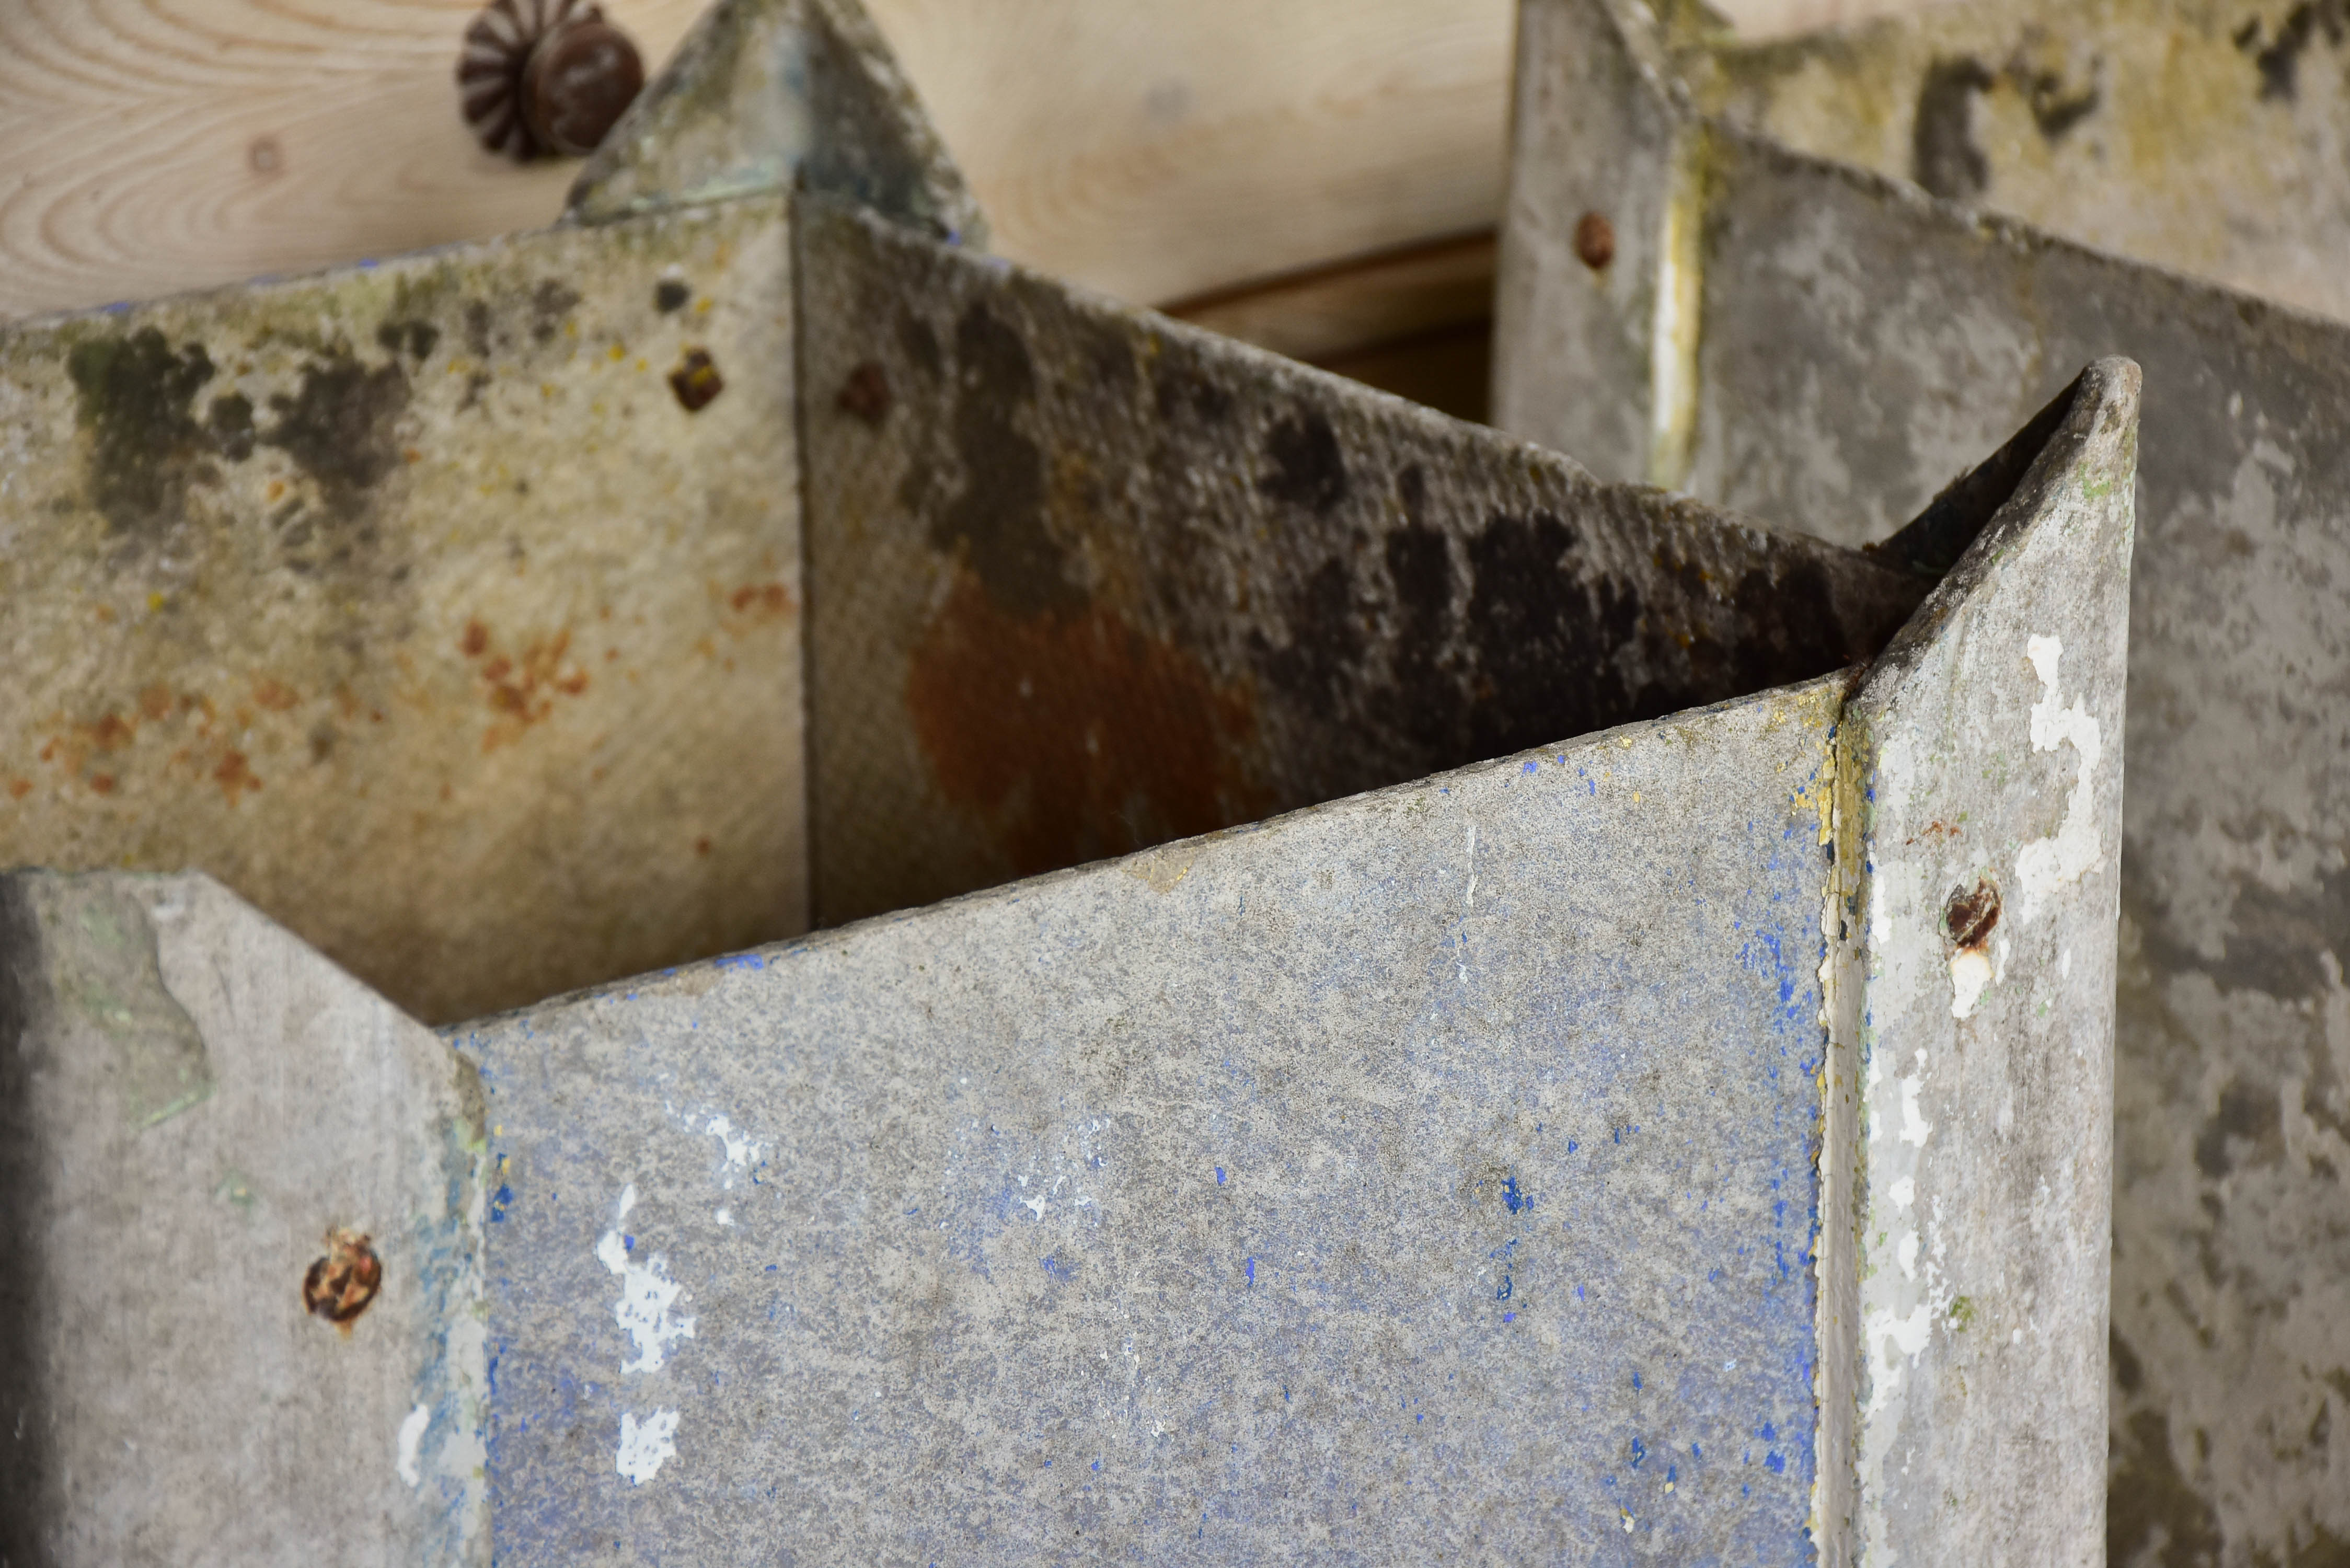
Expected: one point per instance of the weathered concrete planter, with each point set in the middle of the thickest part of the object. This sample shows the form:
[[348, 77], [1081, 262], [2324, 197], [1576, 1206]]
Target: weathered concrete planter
[[1558, 904], [1813, 343]]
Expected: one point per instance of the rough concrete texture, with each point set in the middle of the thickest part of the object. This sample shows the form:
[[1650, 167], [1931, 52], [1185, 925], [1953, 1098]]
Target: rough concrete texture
[[1979, 795], [763, 95], [1438, 1171], [1082, 579], [2195, 134], [192, 1100], [1434, 1173], [414, 603], [1391, 1180], [1855, 336]]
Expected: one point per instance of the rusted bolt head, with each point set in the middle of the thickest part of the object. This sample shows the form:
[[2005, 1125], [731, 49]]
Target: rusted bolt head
[[1595, 240], [696, 380], [867, 392], [1971, 913], [545, 76], [579, 81], [340, 1285]]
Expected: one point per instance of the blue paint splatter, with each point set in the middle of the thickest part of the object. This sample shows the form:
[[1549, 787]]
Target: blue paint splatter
[[1528, 768], [1767, 1432], [740, 961], [500, 1200], [1220, 1176], [1695, 1452], [1516, 1196], [1509, 1317], [1777, 1463], [1639, 1452], [1502, 1294], [1251, 1274], [1636, 1380], [1096, 1467]]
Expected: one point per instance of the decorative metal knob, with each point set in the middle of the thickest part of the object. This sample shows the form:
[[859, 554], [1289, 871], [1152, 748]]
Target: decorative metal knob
[[545, 76]]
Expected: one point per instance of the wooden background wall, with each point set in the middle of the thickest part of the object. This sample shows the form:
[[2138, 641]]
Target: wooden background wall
[[1157, 149]]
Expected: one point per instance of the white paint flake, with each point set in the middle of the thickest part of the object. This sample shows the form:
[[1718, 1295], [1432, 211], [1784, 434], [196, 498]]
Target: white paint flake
[[2046, 864], [647, 1292], [742, 1149], [1970, 973], [1914, 1127], [411, 1439], [644, 1446]]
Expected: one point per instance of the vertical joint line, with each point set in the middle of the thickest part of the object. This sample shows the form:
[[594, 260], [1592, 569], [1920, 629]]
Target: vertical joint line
[[1673, 337], [1843, 978]]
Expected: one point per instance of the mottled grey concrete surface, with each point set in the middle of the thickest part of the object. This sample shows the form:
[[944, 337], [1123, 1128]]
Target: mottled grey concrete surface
[[190, 1099], [1857, 340], [1427, 1174], [1438, 1171], [2194, 134], [1979, 789], [411, 602], [1081, 579], [766, 95]]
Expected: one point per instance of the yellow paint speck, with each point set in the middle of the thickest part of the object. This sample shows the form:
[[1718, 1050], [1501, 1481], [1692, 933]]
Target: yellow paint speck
[[618, 352], [154, 603]]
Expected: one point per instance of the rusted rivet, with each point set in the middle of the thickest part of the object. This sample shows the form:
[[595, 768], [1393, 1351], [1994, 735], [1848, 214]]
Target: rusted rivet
[[867, 392], [545, 76], [1971, 913], [1595, 240], [340, 1285], [696, 380]]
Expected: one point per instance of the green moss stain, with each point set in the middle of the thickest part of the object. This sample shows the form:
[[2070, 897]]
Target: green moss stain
[[135, 396], [1962, 1315], [340, 425]]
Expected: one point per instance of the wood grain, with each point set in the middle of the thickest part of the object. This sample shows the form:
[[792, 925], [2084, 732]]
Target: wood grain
[[1153, 150]]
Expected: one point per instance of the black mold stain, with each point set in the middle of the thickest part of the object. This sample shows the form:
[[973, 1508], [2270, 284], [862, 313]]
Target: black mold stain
[[921, 345], [2054, 110], [1308, 470], [419, 338], [1326, 641], [477, 328], [1419, 571], [2248, 1114], [550, 302], [2278, 63], [2128, 1374], [1545, 664], [669, 295], [341, 426], [1411, 490], [1943, 155], [1179, 388], [134, 395], [998, 521], [230, 424], [2145, 1493], [1787, 630]]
